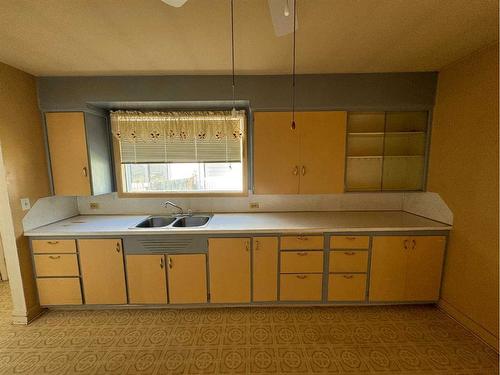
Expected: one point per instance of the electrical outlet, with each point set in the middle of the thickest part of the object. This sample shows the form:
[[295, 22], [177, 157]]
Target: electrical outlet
[[25, 204], [254, 204], [94, 205]]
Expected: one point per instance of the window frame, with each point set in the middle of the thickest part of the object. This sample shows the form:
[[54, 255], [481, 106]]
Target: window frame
[[118, 173]]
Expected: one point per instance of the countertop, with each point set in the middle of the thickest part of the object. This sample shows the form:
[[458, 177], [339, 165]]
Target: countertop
[[275, 222]]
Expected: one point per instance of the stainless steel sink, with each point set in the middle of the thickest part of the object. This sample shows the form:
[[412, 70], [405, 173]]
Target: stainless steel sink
[[191, 221], [174, 222], [156, 222]]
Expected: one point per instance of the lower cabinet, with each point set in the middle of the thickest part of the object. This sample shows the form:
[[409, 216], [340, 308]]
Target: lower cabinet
[[102, 271], [300, 287], [229, 265], [406, 268], [59, 291], [347, 287], [146, 279], [265, 269], [187, 278]]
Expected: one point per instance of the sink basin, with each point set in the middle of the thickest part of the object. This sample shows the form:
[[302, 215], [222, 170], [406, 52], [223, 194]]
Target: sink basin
[[156, 222], [191, 221]]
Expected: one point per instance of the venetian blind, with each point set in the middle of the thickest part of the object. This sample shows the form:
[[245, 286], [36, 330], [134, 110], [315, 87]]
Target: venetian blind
[[179, 137]]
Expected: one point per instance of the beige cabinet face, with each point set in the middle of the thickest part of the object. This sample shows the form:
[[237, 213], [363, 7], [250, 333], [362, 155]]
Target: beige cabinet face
[[322, 151], [68, 153], [59, 291], [102, 271], [146, 279], [347, 287], [265, 269], [301, 287], [229, 268], [187, 278]]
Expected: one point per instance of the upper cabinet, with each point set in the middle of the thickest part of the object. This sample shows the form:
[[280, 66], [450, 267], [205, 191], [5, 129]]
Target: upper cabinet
[[80, 156], [386, 151], [309, 159]]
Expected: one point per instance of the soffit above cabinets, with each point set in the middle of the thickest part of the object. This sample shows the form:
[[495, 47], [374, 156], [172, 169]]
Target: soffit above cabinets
[[105, 37]]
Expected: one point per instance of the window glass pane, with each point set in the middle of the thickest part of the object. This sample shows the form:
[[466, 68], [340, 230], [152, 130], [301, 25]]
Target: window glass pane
[[183, 177]]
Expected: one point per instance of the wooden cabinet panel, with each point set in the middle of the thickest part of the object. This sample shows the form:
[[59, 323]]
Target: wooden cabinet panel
[[349, 242], [229, 268], [388, 268], [265, 269], [301, 242], [53, 246], [68, 153], [300, 287], [322, 151], [102, 270], [347, 287], [56, 265], [187, 278], [59, 291], [275, 154], [301, 261], [425, 263], [146, 279], [348, 261]]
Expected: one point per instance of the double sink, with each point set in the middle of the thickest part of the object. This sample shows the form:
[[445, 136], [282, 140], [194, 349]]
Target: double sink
[[174, 222]]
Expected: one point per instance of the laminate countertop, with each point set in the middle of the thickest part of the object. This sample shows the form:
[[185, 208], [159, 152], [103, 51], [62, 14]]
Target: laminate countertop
[[275, 222]]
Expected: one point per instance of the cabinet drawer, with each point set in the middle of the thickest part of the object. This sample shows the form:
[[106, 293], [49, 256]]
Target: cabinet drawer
[[301, 261], [348, 261], [347, 287], [53, 246], [56, 265], [349, 242], [301, 287], [59, 291], [301, 242]]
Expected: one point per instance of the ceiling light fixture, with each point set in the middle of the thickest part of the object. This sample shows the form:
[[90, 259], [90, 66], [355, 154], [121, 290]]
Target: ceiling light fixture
[[233, 111], [293, 63], [286, 12]]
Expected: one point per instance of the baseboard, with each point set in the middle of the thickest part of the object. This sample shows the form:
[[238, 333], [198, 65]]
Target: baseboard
[[23, 319], [478, 330]]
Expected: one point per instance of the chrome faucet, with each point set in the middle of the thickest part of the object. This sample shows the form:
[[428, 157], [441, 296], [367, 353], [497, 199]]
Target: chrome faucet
[[169, 203]]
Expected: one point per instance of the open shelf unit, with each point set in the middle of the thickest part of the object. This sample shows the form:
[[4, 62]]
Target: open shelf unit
[[386, 151]]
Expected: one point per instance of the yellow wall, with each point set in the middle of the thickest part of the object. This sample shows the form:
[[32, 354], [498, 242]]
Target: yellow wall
[[464, 171], [22, 141]]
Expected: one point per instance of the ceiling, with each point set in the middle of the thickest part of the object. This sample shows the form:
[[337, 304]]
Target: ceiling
[[117, 37]]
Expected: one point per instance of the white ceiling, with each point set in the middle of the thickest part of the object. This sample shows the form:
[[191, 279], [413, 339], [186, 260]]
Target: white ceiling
[[117, 37]]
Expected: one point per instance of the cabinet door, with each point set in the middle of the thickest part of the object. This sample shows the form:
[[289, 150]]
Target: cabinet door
[[187, 278], [275, 154], [229, 268], [68, 153], [425, 263], [265, 269], [388, 268], [146, 279], [102, 270], [322, 151]]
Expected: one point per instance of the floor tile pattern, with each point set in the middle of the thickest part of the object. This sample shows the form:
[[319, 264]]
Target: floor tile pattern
[[277, 340]]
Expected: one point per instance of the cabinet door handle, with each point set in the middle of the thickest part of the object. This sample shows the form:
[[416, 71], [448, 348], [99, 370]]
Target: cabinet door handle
[[54, 256], [257, 245], [303, 170], [117, 247], [247, 245], [348, 276], [161, 263], [170, 264], [414, 244], [302, 277], [52, 242], [295, 170], [302, 253], [84, 171], [406, 244], [349, 253]]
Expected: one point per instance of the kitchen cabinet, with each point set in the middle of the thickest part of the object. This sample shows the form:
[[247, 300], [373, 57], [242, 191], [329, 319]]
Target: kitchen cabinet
[[59, 291], [347, 287], [265, 269], [300, 287], [102, 271], [187, 278], [406, 268], [146, 279], [306, 160], [229, 269], [80, 155]]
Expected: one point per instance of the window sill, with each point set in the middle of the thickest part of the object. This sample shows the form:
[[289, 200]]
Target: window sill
[[183, 195]]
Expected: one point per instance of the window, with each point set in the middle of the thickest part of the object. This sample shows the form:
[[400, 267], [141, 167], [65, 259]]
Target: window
[[180, 152]]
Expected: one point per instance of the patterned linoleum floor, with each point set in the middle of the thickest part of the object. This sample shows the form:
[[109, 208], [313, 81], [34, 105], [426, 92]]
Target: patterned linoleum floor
[[329, 340]]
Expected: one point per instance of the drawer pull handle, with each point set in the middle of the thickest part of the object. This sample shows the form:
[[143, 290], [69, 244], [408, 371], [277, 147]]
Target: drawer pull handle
[[52, 242], [302, 253], [303, 238], [302, 277], [348, 276], [54, 256], [349, 253], [350, 238]]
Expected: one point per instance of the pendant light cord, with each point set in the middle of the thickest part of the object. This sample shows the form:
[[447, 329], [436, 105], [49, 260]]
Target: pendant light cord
[[232, 50], [293, 64]]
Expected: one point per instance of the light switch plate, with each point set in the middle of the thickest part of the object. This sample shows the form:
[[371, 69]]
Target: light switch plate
[[94, 205], [25, 204], [254, 204]]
